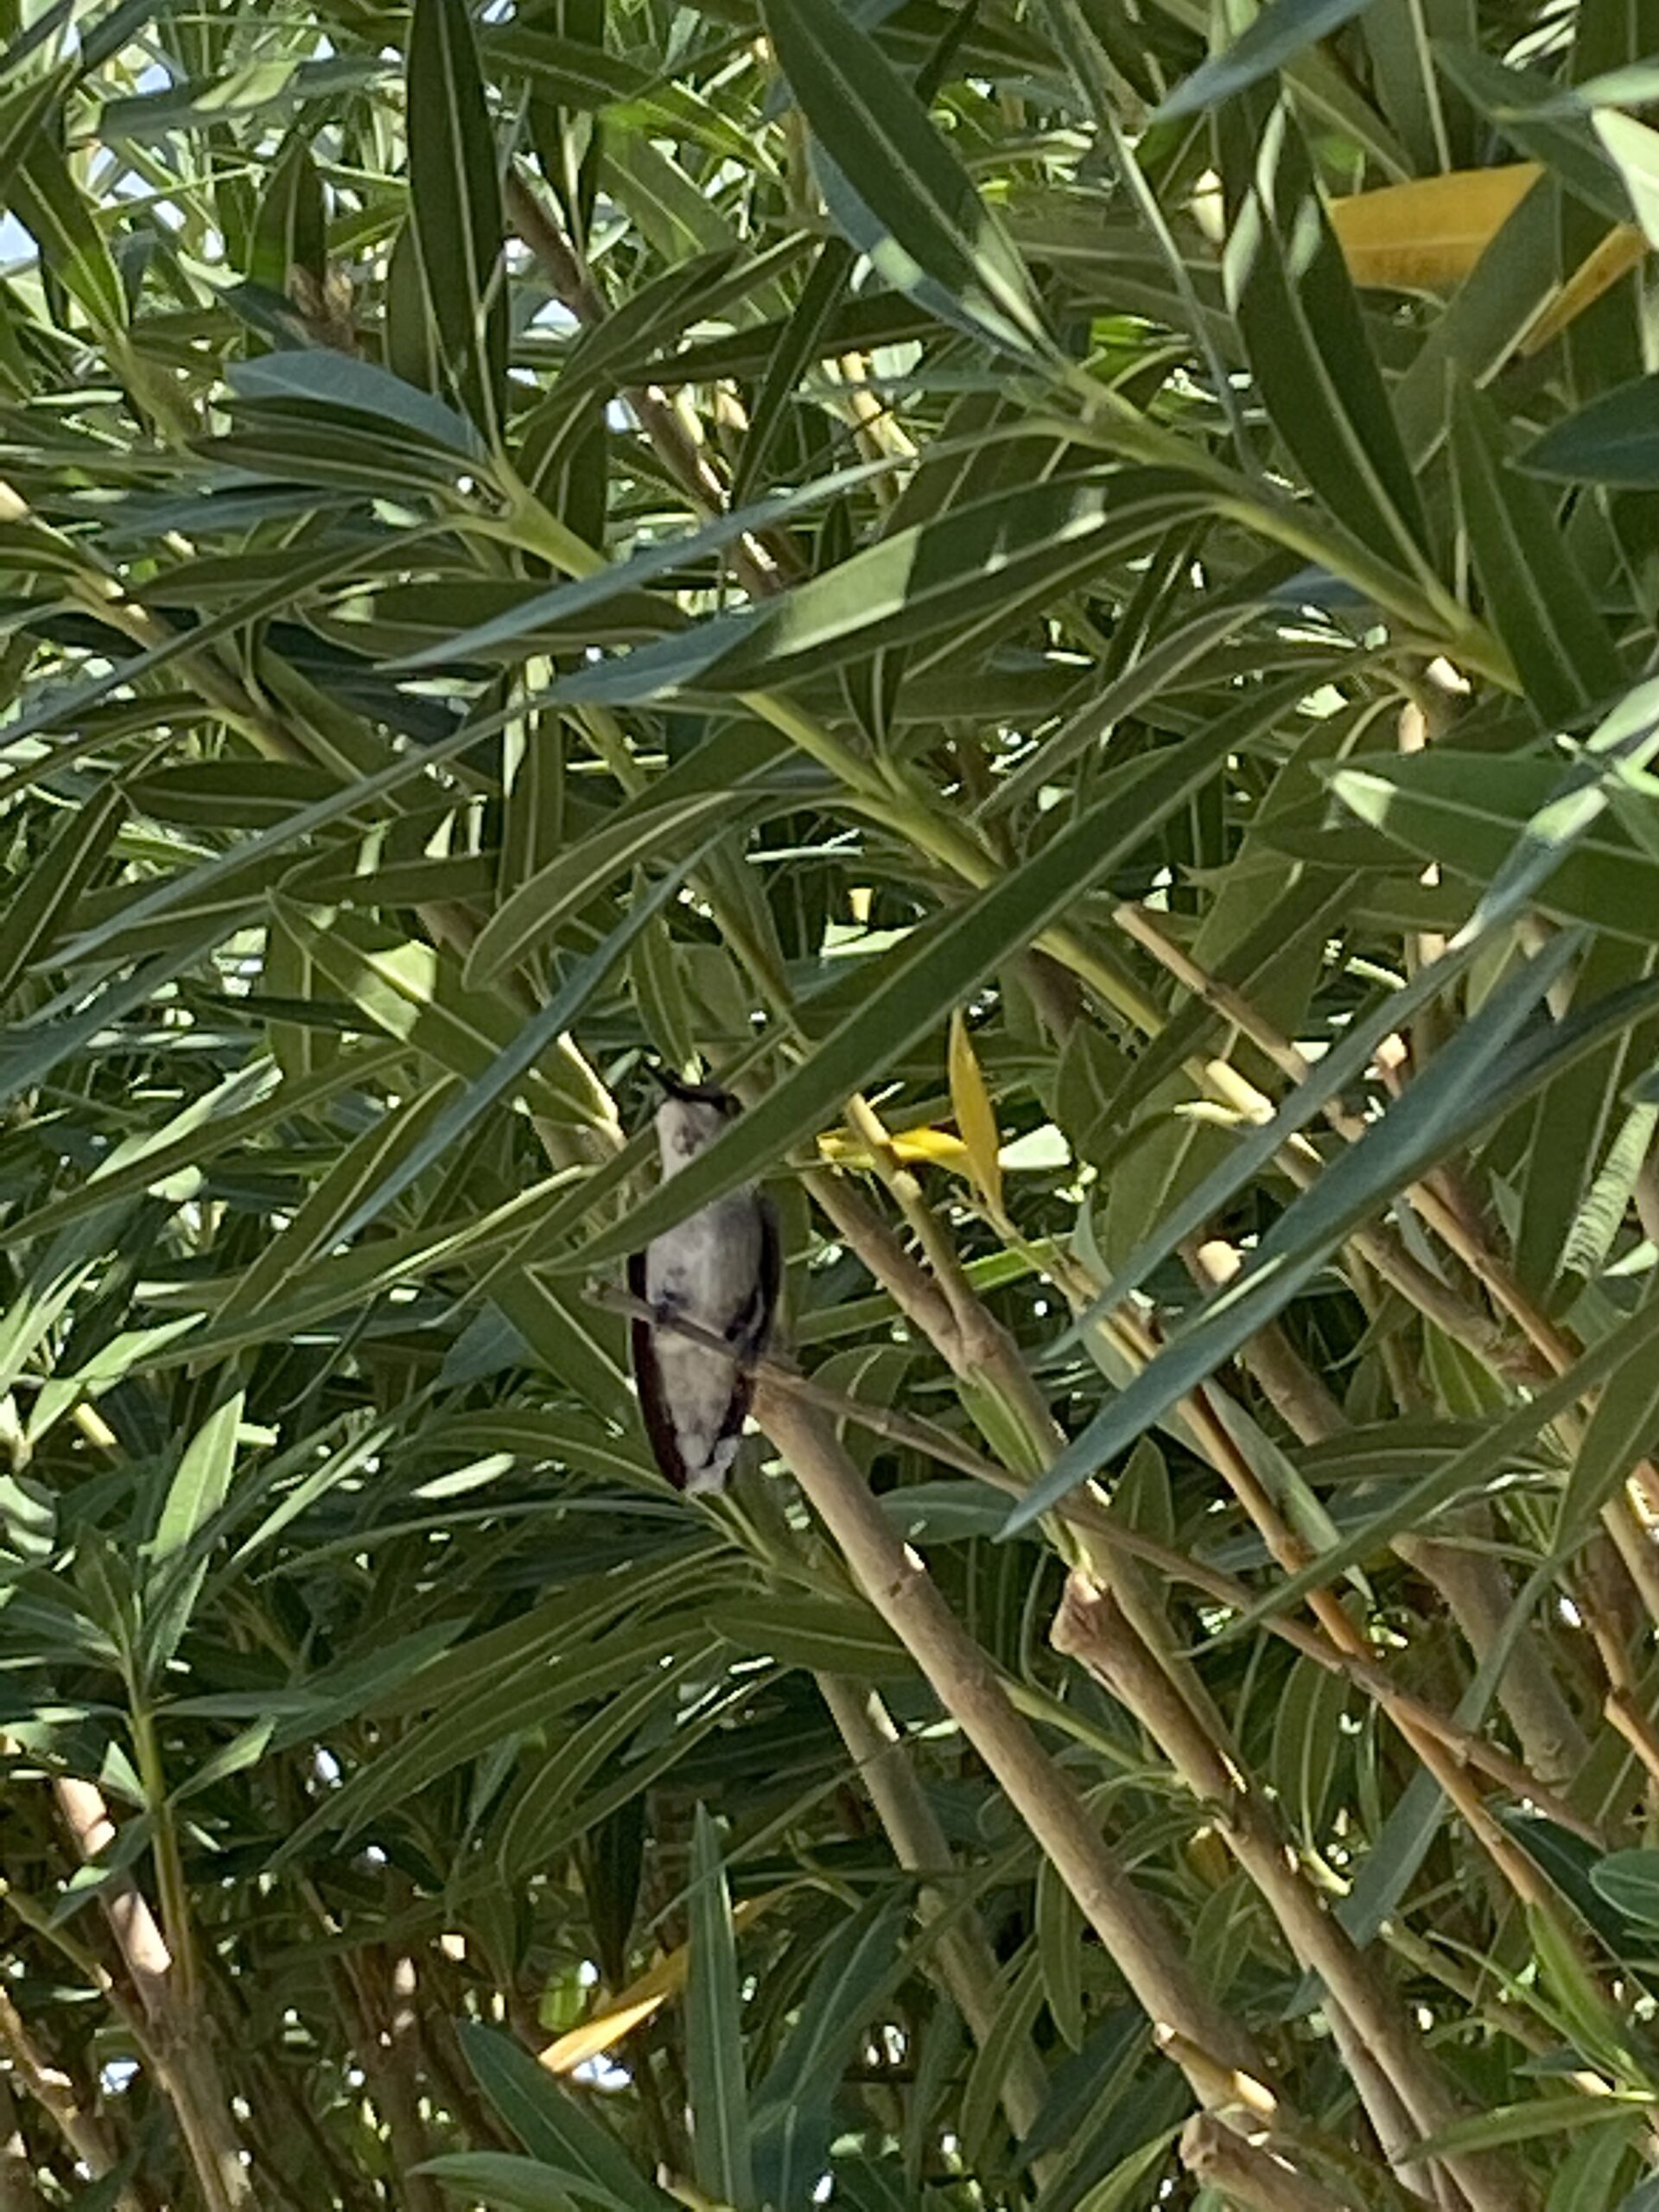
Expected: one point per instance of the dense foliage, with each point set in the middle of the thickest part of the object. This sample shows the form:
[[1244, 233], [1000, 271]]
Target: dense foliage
[[880, 549]]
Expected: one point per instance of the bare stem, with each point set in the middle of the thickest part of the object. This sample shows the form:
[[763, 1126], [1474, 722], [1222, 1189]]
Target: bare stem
[[54, 2092], [179, 2029], [967, 1964], [1223, 2068], [1396, 2077], [1252, 2180]]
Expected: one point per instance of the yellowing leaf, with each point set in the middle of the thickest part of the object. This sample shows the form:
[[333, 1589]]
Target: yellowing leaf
[[976, 1116], [640, 2000], [1426, 235], [597, 2035], [1621, 250], [929, 1147]]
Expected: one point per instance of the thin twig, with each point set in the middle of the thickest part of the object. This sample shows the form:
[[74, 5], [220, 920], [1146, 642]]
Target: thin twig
[[1089, 1518], [1399, 2087], [898, 1428], [1219, 2061]]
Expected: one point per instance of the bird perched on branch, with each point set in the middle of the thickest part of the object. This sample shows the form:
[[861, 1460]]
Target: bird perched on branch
[[719, 1270]]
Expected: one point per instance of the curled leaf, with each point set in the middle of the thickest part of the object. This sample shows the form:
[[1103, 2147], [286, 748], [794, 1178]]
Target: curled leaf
[[975, 1115]]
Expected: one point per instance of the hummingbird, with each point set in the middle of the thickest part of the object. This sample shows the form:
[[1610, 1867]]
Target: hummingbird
[[720, 1270]]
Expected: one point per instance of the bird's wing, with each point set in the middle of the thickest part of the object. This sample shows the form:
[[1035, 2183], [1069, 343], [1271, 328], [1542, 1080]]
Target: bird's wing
[[755, 1324], [748, 1332], [648, 1381]]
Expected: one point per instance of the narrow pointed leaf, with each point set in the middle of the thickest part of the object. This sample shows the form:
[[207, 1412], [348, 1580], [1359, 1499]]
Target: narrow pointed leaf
[[1286, 284], [952, 957], [715, 2072], [1282, 30], [1357, 1182], [456, 194], [1535, 597], [581, 872], [880, 138]]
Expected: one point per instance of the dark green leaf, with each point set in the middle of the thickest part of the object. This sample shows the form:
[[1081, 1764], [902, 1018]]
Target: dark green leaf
[[455, 192], [1360, 1179], [1279, 32], [1536, 597], [878, 136], [719, 2092], [940, 972]]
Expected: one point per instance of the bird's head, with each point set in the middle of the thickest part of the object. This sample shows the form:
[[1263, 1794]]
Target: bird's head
[[691, 1117]]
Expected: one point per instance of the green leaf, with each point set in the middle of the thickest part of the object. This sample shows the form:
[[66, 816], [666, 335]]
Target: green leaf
[[1486, 1458], [1573, 1119], [53, 885], [798, 345], [1623, 1428], [60, 704], [1536, 598], [1121, 2188], [536, 909], [580, 74], [323, 1221], [677, 218], [995, 557], [336, 384], [53, 209], [713, 2032], [1487, 317], [932, 223], [1060, 1941], [562, 605], [567, 1338], [223, 794], [513, 2184], [542, 1819], [455, 192], [23, 112], [1588, 2178], [266, 88], [1018, 2003], [221, 1118], [1615, 440], [1280, 31], [410, 991], [290, 230], [550, 1022], [1520, 2123], [1287, 284], [1344, 1063], [245, 1749], [1634, 151], [496, 1701], [1434, 125], [1526, 106], [657, 980], [1630, 1882], [1148, 676], [1415, 1129], [865, 1961], [199, 1489], [823, 1635], [1451, 807], [942, 970], [33, 1049]]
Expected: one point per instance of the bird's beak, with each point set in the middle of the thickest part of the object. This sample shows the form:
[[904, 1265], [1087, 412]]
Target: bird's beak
[[673, 1085]]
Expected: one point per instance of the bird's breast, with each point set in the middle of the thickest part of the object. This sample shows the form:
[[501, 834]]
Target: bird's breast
[[707, 1267]]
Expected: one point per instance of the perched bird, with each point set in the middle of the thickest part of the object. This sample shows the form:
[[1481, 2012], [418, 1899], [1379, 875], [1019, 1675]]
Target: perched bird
[[719, 1270]]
